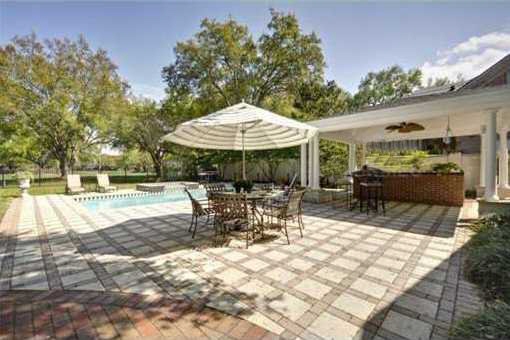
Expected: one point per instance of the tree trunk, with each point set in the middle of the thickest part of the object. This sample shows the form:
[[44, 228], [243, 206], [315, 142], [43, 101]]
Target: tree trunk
[[157, 162], [62, 164], [158, 168]]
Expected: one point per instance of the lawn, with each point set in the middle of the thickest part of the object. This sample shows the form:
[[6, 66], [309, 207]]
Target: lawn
[[6, 196], [55, 185]]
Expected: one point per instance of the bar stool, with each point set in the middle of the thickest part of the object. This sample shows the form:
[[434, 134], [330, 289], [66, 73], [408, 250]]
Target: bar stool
[[372, 190]]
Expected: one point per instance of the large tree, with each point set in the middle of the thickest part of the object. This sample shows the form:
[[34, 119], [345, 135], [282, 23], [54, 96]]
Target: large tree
[[282, 70], [386, 86], [144, 122], [61, 92], [224, 65], [318, 100], [141, 126]]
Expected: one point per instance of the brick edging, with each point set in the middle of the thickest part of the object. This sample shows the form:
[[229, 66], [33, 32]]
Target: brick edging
[[90, 315]]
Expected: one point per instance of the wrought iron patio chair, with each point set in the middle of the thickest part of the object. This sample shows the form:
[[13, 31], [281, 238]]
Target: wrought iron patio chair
[[198, 211], [212, 188], [232, 214], [284, 210]]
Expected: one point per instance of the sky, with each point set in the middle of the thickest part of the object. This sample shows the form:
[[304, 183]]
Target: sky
[[443, 39]]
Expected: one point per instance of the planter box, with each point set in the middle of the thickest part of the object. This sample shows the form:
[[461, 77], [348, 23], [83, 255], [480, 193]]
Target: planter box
[[318, 196], [337, 194]]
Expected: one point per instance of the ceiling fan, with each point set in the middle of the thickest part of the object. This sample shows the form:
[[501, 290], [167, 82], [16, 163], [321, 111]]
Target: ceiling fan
[[405, 127]]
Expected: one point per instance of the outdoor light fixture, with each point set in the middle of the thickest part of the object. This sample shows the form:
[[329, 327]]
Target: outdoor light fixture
[[448, 134]]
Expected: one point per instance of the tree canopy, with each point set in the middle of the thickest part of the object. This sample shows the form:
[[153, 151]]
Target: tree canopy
[[224, 64], [386, 86], [61, 92]]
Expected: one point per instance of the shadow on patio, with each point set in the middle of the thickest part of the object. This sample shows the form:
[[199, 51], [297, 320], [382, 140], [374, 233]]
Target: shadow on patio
[[424, 301]]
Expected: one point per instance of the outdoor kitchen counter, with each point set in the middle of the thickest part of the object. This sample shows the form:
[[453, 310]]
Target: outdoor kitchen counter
[[420, 187]]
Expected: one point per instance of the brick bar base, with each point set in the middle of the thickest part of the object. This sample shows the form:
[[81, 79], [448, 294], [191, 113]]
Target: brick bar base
[[427, 188]]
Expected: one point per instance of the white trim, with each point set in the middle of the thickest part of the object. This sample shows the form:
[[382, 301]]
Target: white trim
[[464, 110]]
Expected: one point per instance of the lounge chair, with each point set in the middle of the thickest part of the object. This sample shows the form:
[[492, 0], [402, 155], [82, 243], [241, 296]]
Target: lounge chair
[[73, 185], [103, 183]]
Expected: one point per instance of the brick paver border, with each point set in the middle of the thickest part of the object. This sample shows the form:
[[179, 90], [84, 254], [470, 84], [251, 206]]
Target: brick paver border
[[87, 315]]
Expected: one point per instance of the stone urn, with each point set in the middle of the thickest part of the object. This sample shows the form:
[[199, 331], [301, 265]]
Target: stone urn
[[24, 185], [24, 181]]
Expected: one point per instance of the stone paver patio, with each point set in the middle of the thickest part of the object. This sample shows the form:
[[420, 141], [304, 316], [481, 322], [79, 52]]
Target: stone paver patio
[[351, 276]]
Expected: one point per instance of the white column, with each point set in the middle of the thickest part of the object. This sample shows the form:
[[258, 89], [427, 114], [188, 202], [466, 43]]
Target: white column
[[303, 159], [483, 153], [310, 161], [491, 193], [503, 158], [316, 163], [352, 158]]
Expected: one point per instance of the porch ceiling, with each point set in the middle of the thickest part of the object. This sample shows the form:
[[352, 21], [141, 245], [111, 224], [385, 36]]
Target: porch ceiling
[[466, 111]]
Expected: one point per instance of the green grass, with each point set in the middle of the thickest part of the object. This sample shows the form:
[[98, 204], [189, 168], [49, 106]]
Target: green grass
[[6, 196], [55, 185]]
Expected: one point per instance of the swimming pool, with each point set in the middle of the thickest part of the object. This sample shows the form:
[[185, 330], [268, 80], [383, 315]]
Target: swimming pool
[[125, 202]]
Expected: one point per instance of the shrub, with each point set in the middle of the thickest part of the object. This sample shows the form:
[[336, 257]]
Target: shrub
[[244, 184], [488, 257], [492, 323], [447, 168], [488, 266], [470, 193], [417, 159]]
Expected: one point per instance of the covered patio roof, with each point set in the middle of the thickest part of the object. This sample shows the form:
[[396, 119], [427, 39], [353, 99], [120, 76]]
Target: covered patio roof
[[465, 108]]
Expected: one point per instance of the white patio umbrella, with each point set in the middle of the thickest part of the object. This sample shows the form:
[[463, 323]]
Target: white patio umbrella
[[242, 127]]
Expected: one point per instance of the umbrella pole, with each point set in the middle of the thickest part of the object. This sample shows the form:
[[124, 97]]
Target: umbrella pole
[[244, 157]]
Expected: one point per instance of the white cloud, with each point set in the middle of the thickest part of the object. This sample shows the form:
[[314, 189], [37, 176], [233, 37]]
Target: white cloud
[[468, 58], [148, 91]]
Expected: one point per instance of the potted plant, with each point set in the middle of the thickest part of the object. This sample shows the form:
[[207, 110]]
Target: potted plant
[[243, 184], [23, 178]]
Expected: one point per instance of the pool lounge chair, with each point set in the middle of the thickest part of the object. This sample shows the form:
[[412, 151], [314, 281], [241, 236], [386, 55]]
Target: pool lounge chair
[[103, 183], [73, 185]]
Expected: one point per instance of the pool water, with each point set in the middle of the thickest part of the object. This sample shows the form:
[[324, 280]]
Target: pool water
[[125, 202]]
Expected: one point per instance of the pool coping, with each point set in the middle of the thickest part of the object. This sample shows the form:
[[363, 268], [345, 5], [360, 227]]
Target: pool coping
[[124, 194]]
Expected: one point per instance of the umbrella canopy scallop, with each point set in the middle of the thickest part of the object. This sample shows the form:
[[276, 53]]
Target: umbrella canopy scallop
[[242, 127]]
